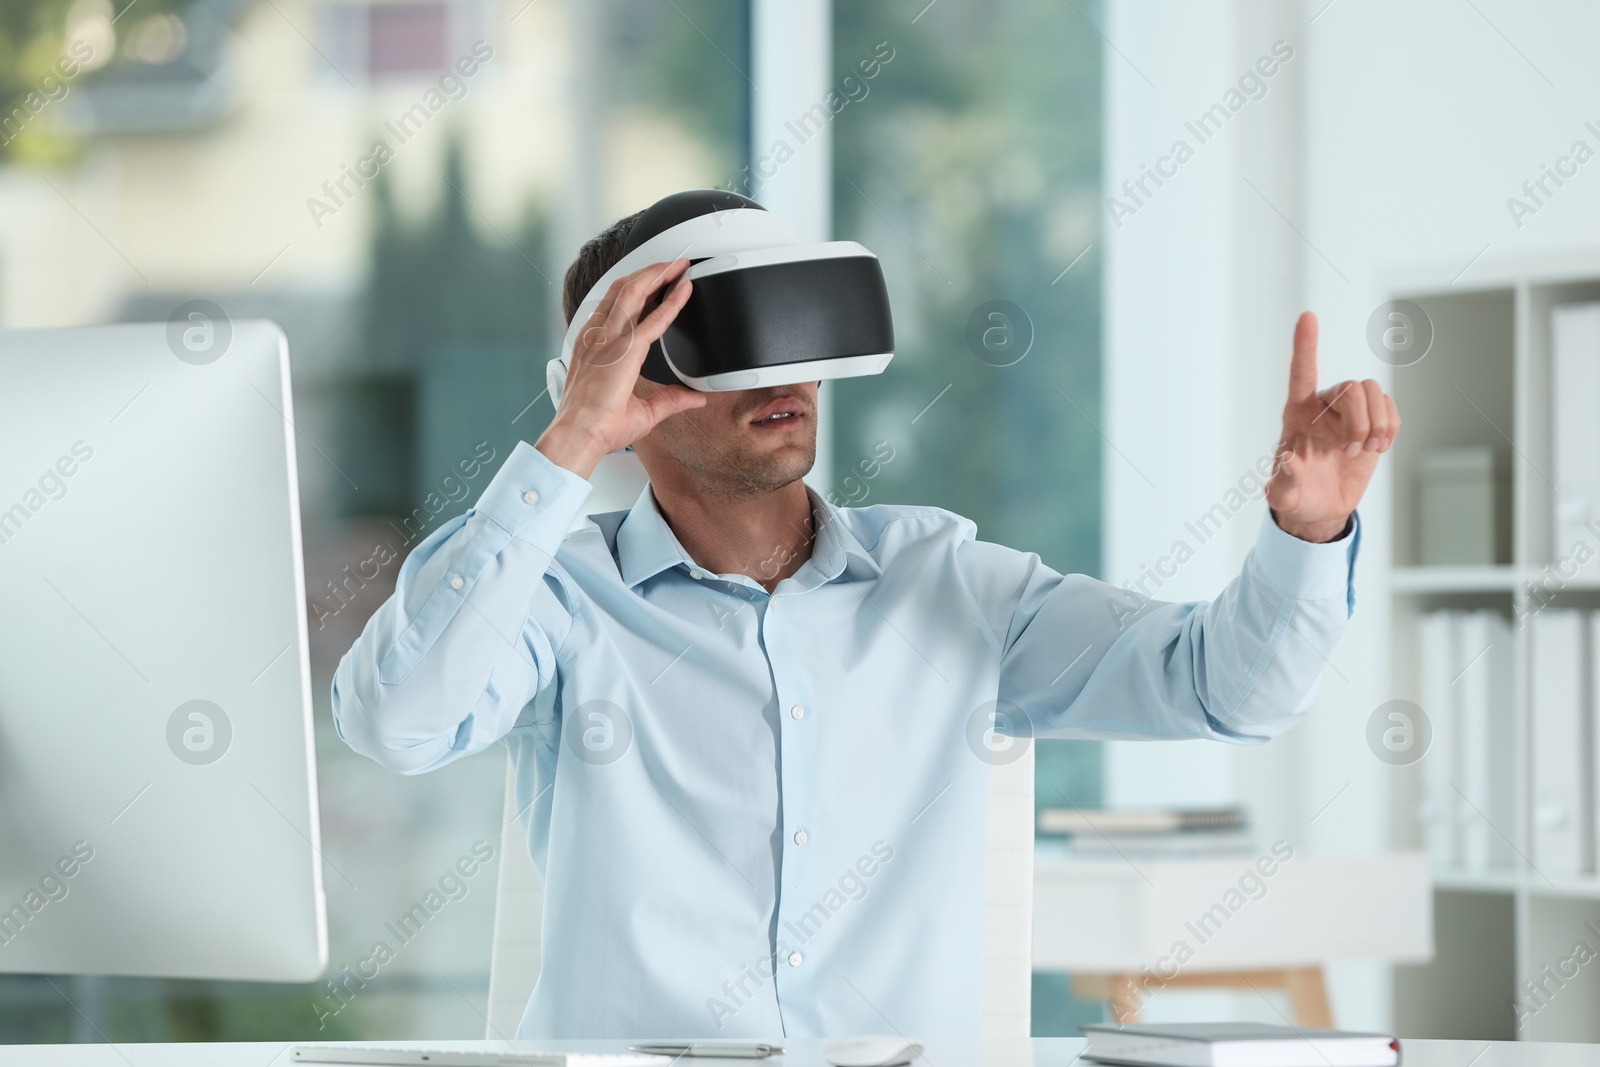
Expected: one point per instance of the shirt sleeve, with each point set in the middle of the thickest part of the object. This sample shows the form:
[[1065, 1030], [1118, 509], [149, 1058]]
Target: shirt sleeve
[[1083, 658], [472, 632]]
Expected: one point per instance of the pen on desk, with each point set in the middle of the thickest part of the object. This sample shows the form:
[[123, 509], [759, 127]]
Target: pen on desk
[[698, 1050]]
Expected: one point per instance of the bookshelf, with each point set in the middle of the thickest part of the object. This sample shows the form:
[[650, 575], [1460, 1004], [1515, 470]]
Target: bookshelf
[[1424, 580], [1487, 381]]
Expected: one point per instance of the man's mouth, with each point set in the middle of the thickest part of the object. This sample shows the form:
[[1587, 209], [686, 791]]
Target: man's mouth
[[781, 413]]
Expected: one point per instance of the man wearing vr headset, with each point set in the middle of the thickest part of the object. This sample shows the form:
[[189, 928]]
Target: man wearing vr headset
[[752, 732]]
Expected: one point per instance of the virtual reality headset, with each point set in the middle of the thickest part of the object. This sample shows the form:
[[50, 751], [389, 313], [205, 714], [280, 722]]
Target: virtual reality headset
[[764, 308]]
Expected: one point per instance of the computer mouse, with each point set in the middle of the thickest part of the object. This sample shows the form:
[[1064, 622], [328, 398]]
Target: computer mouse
[[871, 1052]]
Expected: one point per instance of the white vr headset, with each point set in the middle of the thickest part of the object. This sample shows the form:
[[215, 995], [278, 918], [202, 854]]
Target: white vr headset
[[764, 309]]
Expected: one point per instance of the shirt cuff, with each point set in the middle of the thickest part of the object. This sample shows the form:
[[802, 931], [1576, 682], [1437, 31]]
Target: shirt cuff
[[1307, 570], [533, 498]]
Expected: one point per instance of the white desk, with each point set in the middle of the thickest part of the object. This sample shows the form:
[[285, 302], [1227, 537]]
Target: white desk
[[1039, 1052], [1278, 930]]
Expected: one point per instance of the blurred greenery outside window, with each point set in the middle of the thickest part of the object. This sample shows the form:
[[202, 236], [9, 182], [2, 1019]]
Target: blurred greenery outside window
[[971, 166], [969, 162]]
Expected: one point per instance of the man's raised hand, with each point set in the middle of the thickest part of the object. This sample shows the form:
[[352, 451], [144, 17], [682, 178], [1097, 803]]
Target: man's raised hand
[[599, 411], [1330, 444]]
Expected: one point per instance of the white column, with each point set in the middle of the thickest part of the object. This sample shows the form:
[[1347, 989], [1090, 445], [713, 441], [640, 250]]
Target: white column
[[791, 46], [791, 53]]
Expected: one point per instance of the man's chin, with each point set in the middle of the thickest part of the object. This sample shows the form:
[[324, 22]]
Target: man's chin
[[767, 470]]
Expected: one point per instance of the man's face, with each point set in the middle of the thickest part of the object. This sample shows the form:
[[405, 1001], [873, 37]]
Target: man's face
[[744, 443]]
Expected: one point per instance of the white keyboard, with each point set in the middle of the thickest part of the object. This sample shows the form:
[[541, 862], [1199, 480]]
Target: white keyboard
[[424, 1057]]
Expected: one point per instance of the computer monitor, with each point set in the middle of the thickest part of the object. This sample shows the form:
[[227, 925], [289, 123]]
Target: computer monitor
[[158, 808]]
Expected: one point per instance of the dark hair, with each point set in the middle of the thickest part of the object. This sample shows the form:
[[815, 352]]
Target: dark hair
[[598, 255]]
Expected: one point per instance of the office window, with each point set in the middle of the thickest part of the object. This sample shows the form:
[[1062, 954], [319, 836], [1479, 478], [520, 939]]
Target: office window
[[970, 164], [967, 156], [421, 305]]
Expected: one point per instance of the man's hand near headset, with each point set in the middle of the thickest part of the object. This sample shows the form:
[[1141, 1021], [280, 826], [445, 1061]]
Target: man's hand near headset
[[600, 412], [1330, 445]]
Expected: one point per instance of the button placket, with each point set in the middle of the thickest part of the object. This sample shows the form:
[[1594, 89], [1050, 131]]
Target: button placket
[[797, 883]]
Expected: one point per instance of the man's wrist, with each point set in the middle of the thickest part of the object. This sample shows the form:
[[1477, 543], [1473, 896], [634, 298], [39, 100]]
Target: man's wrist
[[1315, 532], [571, 447]]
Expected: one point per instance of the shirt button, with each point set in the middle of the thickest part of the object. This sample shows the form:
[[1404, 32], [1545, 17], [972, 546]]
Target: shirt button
[[457, 582], [795, 959], [530, 497], [797, 712], [801, 837], [697, 574]]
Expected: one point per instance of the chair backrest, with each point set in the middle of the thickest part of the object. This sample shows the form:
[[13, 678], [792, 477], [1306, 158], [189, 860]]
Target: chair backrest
[[518, 911], [1007, 925]]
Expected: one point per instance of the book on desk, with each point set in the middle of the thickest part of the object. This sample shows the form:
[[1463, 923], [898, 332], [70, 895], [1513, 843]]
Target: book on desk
[[1236, 1045]]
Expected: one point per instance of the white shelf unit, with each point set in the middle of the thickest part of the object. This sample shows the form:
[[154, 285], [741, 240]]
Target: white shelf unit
[[1486, 380]]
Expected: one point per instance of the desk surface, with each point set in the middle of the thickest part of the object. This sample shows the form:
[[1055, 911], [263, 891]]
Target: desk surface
[[1039, 1052]]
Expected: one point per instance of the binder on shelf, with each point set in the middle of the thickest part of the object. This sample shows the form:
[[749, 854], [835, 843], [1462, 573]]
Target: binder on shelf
[[1574, 430], [1484, 810], [1435, 661], [1558, 651]]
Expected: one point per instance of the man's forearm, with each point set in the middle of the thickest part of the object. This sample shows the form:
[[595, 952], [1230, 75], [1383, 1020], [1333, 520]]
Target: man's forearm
[[419, 673]]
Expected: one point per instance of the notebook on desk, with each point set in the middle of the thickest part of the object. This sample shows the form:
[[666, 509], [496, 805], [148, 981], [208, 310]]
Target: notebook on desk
[[1236, 1045]]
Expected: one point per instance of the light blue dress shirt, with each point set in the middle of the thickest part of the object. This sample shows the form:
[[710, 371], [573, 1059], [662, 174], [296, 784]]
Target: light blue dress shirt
[[758, 815]]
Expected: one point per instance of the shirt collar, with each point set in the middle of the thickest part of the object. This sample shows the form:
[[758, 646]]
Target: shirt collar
[[646, 545], [837, 550]]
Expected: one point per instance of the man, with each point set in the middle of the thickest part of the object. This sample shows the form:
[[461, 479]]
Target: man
[[743, 720]]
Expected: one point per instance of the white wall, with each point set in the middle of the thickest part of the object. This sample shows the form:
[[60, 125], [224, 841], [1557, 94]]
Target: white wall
[[1203, 284], [1389, 143], [1386, 138]]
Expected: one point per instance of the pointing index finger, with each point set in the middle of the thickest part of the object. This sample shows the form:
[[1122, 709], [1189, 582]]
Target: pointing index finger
[[1303, 365]]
